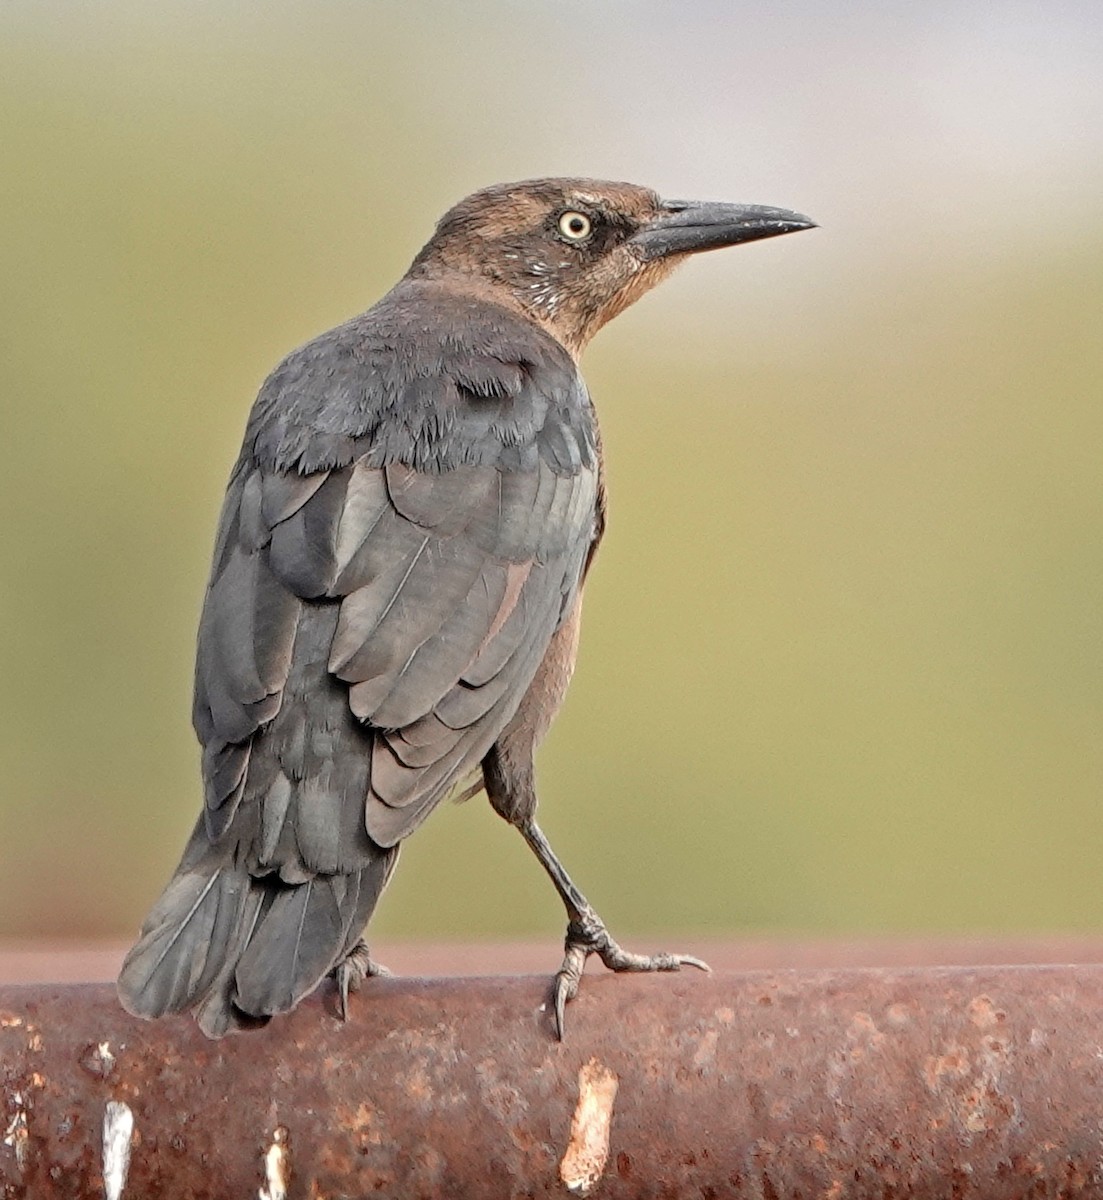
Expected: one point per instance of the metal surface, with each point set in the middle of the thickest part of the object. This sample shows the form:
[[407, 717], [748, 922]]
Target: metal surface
[[954, 1083]]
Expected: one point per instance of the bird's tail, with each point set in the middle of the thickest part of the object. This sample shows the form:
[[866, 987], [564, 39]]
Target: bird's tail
[[237, 948]]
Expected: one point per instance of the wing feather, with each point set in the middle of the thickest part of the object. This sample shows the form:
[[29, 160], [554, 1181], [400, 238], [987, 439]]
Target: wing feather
[[303, 551]]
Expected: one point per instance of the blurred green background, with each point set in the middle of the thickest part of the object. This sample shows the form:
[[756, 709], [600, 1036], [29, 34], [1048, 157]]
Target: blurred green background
[[842, 665]]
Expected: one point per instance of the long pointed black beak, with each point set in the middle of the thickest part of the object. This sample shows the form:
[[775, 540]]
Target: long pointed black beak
[[688, 227]]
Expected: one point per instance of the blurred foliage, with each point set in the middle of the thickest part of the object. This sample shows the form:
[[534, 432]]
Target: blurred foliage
[[842, 666]]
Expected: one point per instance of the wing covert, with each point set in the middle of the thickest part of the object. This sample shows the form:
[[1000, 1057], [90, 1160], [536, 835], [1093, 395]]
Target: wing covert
[[370, 628]]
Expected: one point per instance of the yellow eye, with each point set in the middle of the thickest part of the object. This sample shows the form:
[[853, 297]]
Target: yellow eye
[[575, 226]]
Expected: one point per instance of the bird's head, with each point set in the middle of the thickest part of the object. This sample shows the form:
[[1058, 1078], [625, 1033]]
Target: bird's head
[[573, 253]]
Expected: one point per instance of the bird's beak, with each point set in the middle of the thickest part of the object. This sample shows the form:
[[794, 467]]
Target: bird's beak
[[688, 227]]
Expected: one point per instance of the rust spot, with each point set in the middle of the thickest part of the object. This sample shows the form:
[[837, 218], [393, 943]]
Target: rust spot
[[863, 1028], [1023, 1164], [955, 1063], [418, 1084], [502, 1098], [98, 1060], [705, 1054], [588, 1143], [898, 1015], [983, 1108], [362, 1124], [984, 1014]]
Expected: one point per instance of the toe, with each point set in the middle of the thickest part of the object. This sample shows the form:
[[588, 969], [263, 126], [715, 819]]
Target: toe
[[561, 993], [343, 991], [565, 986]]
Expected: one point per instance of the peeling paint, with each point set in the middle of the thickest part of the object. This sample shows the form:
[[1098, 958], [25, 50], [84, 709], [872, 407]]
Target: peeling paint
[[15, 1136], [277, 1167], [588, 1144], [98, 1060], [118, 1130]]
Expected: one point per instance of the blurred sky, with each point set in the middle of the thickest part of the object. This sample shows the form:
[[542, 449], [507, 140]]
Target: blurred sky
[[841, 665]]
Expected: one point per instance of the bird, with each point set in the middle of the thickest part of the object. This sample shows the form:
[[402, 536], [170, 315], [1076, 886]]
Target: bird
[[392, 613]]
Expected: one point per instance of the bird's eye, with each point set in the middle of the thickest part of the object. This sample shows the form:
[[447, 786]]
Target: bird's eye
[[575, 226]]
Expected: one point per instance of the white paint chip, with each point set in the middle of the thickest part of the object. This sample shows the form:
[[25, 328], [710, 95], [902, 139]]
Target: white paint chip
[[588, 1145], [118, 1130], [16, 1136], [277, 1168]]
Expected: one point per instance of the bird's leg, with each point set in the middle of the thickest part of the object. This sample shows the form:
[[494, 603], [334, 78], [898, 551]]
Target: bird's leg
[[351, 971], [586, 933]]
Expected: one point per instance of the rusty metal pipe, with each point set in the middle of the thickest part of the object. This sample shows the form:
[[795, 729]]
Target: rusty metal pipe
[[961, 1082]]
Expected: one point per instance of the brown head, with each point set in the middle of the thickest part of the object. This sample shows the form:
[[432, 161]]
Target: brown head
[[572, 253]]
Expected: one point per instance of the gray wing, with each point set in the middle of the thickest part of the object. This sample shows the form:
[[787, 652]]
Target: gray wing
[[367, 634]]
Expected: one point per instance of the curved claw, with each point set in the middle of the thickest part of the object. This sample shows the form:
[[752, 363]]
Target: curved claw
[[353, 969], [567, 979], [342, 975], [559, 995]]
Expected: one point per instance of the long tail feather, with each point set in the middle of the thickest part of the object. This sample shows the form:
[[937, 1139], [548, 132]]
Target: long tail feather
[[238, 948], [307, 930], [182, 943]]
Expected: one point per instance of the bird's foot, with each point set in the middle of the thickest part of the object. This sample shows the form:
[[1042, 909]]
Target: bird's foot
[[587, 935], [351, 971]]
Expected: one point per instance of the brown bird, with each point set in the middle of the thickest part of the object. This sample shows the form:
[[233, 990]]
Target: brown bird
[[393, 610]]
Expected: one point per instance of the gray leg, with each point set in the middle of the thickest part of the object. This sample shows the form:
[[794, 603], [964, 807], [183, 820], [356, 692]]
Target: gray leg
[[586, 933]]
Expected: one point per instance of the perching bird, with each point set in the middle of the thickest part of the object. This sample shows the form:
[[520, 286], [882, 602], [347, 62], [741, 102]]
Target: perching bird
[[393, 610]]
